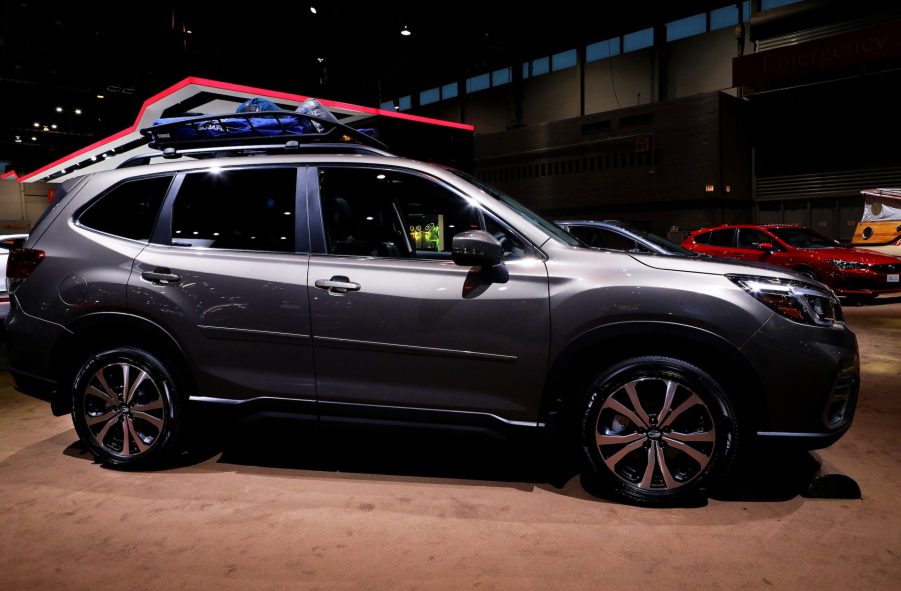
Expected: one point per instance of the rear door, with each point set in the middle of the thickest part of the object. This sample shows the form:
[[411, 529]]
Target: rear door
[[226, 273], [398, 327]]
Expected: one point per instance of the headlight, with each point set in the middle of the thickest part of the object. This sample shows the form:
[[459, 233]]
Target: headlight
[[795, 300], [845, 265]]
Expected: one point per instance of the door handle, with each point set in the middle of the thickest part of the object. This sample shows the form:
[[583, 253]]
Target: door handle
[[337, 284], [161, 276]]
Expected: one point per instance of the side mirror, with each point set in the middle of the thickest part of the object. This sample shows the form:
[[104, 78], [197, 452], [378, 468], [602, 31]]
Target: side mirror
[[767, 246], [476, 248]]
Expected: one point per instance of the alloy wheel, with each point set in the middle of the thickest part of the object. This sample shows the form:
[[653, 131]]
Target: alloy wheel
[[124, 409], [655, 433]]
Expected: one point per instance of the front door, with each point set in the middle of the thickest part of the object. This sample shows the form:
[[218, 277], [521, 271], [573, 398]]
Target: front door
[[396, 324]]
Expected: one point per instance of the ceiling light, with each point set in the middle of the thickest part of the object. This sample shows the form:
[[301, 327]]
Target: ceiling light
[[100, 96], [18, 139], [54, 126], [93, 159], [380, 176], [405, 31], [34, 139], [78, 111], [320, 59], [59, 109], [189, 32], [36, 124], [313, 9], [45, 128]]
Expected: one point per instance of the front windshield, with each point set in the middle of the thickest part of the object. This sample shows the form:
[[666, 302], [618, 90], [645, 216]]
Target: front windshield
[[667, 245], [547, 226], [803, 238]]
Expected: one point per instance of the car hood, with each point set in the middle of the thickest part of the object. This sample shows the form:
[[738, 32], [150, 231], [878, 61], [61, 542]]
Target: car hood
[[714, 266], [858, 255]]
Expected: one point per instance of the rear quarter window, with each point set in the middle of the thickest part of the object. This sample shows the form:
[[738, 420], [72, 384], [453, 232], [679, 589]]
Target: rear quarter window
[[128, 210]]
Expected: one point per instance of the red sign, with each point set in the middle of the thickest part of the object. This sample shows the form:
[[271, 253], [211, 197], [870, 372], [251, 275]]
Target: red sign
[[877, 43], [51, 193]]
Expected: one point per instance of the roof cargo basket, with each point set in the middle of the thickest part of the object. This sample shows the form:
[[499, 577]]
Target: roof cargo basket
[[253, 128]]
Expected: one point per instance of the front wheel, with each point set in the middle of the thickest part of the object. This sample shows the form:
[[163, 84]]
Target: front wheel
[[657, 430], [126, 407]]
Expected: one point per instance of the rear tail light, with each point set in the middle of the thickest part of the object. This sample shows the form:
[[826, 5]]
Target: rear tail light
[[22, 261]]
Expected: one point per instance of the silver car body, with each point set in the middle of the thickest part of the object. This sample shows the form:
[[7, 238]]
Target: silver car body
[[415, 342]]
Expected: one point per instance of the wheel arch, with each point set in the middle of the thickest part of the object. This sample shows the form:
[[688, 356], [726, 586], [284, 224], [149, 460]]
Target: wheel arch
[[92, 332], [577, 363], [806, 268]]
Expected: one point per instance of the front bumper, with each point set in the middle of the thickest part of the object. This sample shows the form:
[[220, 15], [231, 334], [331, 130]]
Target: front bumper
[[864, 282], [810, 380]]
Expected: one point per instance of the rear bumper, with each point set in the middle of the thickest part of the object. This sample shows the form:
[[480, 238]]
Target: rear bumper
[[30, 343]]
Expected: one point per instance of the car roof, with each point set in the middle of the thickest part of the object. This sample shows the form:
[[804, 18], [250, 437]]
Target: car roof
[[751, 226], [616, 223]]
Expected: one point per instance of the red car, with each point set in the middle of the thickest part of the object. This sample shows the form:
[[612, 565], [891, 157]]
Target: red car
[[849, 271]]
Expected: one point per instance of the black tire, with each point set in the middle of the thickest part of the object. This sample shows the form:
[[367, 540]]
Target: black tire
[[862, 299], [135, 426], [667, 458]]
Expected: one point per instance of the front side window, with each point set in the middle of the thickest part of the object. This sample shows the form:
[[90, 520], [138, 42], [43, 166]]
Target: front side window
[[128, 210], [250, 209], [387, 213], [750, 238]]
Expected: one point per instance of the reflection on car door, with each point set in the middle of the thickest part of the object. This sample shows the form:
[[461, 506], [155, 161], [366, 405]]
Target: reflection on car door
[[396, 323], [227, 273]]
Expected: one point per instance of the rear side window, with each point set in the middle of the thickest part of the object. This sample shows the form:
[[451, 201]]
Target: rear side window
[[128, 210], [702, 238], [249, 209]]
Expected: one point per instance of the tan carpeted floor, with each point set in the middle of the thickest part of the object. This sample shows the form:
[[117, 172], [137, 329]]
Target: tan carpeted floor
[[324, 517]]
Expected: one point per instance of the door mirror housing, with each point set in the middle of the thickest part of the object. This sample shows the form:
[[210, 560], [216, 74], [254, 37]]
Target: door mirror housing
[[767, 246], [477, 248]]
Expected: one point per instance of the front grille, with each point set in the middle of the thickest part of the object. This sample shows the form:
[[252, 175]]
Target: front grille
[[890, 268]]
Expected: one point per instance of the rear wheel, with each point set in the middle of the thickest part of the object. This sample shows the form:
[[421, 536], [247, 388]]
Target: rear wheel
[[657, 430], [126, 407]]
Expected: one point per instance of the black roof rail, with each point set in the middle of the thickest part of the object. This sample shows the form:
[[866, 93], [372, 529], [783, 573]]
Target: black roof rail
[[171, 153], [255, 127]]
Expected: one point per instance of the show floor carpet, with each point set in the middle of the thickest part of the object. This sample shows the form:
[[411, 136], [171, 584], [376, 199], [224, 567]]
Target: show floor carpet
[[339, 511]]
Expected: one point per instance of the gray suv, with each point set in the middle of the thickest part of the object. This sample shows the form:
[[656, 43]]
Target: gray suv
[[337, 282]]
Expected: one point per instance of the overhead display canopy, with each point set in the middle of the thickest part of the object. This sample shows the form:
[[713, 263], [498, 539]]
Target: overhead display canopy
[[199, 95]]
